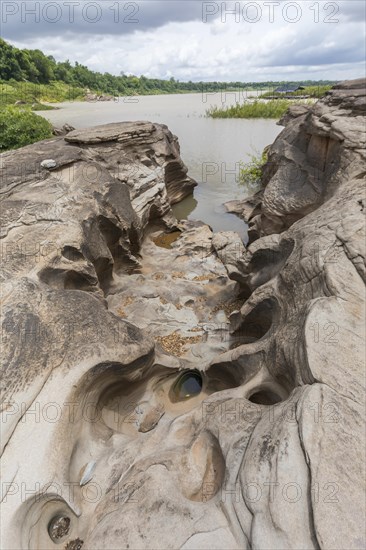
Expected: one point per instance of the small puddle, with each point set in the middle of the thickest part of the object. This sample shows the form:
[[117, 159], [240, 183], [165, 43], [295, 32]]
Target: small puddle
[[165, 240], [207, 205]]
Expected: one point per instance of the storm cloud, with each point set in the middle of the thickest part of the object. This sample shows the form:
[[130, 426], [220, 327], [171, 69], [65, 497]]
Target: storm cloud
[[24, 20], [197, 40]]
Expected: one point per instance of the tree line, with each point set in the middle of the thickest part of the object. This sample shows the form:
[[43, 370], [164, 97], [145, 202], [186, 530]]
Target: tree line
[[36, 67]]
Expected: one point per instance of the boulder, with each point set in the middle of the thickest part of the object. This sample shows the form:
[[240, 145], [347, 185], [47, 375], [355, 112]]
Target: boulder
[[65, 129]]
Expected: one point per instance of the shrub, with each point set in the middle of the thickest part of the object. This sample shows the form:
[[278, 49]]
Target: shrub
[[251, 172], [19, 127], [274, 108], [34, 94]]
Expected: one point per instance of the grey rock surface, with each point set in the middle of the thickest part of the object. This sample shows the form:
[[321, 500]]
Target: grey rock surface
[[65, 129], [164, 386]]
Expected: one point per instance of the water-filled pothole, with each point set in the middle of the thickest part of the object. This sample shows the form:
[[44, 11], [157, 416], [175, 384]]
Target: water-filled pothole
[[187, 385], [165, 240]]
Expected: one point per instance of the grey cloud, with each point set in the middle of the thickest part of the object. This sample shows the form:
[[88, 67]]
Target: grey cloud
[[330, 44], [316, 56], [76, 17], [353, 10], [312, 45], [339, 54]]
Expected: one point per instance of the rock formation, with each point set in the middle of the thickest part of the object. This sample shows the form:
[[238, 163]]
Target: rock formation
[[164, 387], [65, 129], [92, 97]]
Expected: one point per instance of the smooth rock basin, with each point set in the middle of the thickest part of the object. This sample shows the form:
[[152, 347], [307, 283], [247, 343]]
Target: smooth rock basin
[[105, 443]]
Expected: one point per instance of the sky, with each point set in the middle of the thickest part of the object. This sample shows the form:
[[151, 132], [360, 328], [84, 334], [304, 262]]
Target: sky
[[248, 41]]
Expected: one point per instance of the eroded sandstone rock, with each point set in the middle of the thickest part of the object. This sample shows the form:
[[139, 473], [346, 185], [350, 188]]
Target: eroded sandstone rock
[[314, 185], [320, 148], [132, 416]]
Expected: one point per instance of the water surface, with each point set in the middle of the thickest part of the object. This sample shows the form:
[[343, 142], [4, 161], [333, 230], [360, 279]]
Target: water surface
[[211, 148]]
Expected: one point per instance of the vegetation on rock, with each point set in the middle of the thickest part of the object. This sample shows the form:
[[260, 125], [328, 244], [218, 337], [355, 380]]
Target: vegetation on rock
[[251, 171]]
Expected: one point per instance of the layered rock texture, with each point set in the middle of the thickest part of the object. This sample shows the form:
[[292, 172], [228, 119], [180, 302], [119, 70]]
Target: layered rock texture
[[164, 386]]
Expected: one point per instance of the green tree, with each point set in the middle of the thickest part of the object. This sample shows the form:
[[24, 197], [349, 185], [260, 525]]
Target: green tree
[[35, 67], [29, 70], [43, 64], [9, 66]]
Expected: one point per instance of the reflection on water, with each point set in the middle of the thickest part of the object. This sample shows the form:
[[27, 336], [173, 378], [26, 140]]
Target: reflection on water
[[215, 215], [184, 208], [211, 148]]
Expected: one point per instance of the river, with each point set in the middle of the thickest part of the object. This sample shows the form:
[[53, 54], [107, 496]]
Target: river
[[211, 148]]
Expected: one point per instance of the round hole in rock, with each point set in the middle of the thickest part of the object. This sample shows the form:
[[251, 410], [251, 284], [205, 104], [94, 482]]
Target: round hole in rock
[[71, 253], [189, 384], [257, 322], [222, 376], [264, 397], [266, 263], [74, 544], [75, 280], [58, 528]]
